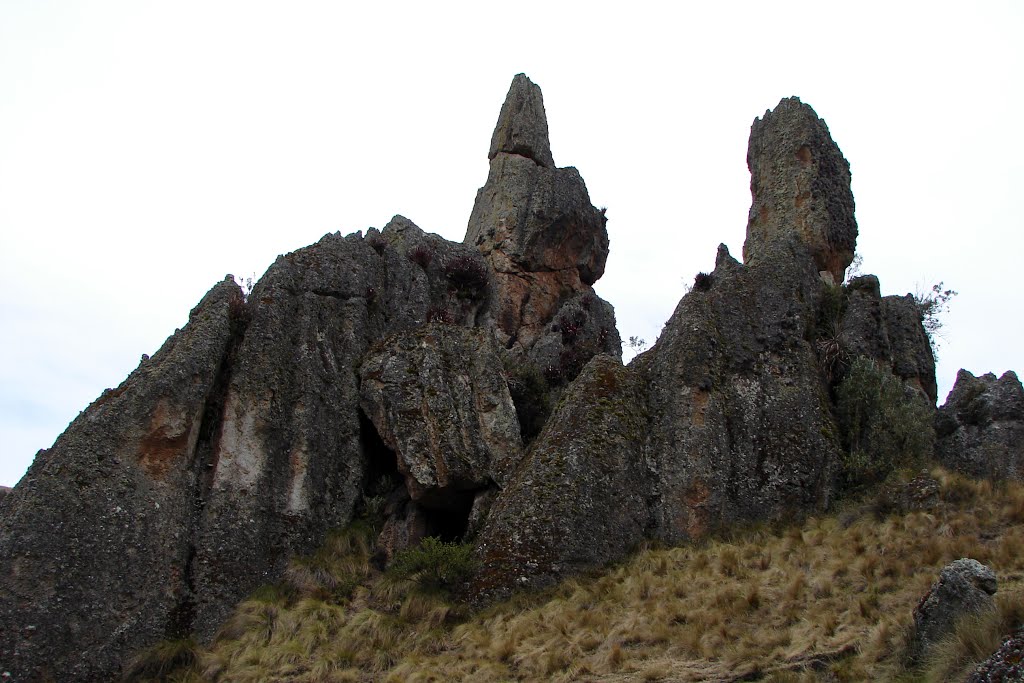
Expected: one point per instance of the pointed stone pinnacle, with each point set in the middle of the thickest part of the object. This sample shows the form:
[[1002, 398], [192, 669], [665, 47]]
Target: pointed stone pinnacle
[[522, 125], [800, 184]]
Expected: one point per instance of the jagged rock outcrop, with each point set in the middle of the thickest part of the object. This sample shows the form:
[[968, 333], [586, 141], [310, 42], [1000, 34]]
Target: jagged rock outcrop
[[580, 498], [887, 330], [380, 371], [238, 445], [740, 422], [980, 428], [294, 454], [96, 540], [545, 243], [438, 399], [4, 490], [800, 183], [964, 587]]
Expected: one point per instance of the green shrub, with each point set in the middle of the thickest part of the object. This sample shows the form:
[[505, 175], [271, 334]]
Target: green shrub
[[885, 424], [434, 564]]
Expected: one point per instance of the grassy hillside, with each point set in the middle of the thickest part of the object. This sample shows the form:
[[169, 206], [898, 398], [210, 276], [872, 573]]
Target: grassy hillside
[[829, 598]]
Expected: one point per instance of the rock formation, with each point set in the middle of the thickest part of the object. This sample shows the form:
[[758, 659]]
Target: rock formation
[[545, 243], [980, 428], [964, 587], [397, 371], [800, 185]]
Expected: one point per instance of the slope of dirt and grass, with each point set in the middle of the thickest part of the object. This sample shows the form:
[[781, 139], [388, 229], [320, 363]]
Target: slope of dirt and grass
[[828, 598]]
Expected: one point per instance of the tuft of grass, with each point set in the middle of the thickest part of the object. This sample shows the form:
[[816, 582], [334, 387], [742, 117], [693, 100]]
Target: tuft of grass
[[171, 660]]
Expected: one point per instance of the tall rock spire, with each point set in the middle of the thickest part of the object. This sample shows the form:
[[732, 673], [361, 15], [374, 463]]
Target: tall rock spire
[[522, 125], [545, 243], [800, 184]]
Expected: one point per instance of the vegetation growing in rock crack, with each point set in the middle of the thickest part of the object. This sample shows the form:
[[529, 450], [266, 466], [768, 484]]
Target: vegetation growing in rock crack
[[885, 424], [932, 305]]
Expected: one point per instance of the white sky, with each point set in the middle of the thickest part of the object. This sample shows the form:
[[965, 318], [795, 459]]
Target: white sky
[[148, 148]]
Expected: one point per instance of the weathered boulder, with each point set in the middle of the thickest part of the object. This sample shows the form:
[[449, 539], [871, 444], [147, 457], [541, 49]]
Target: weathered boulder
[[543, 240], [888, 330], [580, 498], [980, 429], [97, 539], [438, 399], [740, 422], [964, 587], [800, 183], [1006, 665], [522, 124]]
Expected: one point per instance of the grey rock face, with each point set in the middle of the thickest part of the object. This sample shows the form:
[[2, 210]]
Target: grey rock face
[[543, 240], [980, 429], [292, 454], [96, 541], [437, 397], [740, 423], [522, 124], [964, 587], [889, 331], [579, 500], [800, 184], [4, 490]]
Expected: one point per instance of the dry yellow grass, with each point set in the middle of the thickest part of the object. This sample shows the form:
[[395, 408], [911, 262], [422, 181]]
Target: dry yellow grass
[[827, 598]]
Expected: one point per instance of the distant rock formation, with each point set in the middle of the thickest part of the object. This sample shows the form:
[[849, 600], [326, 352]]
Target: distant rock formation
[[980, 428], [401, 372]]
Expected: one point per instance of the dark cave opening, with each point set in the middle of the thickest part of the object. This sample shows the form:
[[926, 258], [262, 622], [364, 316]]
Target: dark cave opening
[[450, 522], [382, 475]]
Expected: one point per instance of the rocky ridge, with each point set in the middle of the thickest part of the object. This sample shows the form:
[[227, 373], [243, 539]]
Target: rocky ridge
[[399, 367]]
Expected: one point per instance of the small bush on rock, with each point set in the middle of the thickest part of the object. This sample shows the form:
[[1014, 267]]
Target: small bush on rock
[[434, 564], [467, 275], [885, 426]]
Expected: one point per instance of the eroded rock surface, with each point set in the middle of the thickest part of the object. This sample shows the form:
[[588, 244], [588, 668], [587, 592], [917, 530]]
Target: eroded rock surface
[[96, 541], [543, 240], [888, 330], [580, 498], [740, 423], [800, 183], [980, 428], [438, 399], [964, 587]]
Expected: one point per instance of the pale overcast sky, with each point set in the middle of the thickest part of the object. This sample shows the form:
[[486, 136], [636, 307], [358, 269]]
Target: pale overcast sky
[[148, 148]]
